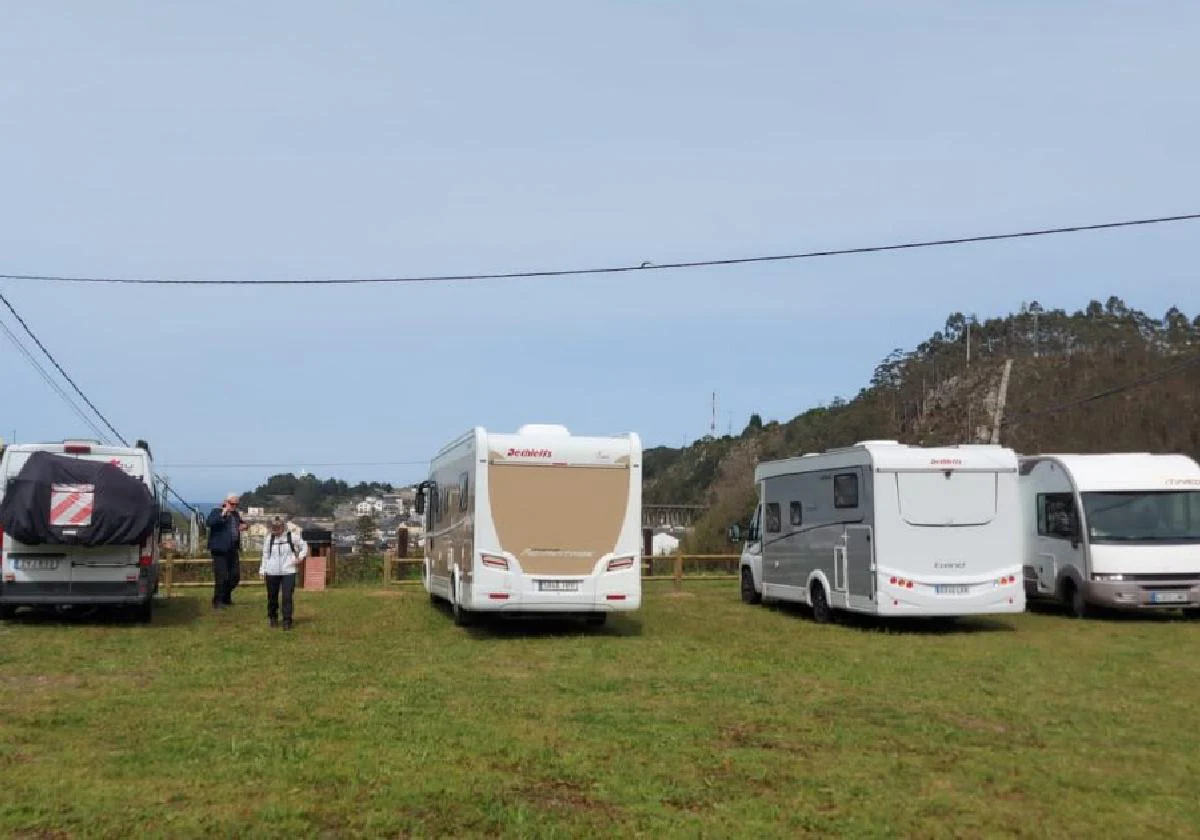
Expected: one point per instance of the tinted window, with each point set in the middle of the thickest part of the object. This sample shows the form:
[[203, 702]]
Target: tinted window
[[797, 515], [774, 525], [463, 487], [1054, 508], [845, 490]]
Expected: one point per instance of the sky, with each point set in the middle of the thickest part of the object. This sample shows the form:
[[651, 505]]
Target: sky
[[314, 140]]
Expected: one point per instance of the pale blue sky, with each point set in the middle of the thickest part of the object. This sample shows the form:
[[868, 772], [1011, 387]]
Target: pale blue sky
[[283, 139]]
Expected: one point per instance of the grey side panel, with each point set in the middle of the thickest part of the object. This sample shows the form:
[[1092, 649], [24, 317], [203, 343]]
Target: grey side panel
[[860, 561]]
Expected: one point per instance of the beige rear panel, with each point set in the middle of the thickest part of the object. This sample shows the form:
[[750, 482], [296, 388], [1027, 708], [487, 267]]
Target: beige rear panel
[[558, 520]]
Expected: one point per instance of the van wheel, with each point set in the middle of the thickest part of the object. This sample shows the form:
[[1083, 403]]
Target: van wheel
[[597, 619], [822, 612], [143, 613], [1073, 598], [7, 612], [461, 617], [749, 596]]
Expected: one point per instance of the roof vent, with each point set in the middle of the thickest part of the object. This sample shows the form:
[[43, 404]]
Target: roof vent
[[544, 430], [878, 443]]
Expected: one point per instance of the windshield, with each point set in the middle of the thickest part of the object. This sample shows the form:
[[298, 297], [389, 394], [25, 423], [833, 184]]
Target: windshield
[[1152, 516]]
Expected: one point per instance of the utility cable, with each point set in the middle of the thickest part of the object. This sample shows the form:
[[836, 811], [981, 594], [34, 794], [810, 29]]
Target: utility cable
[[644, 266]]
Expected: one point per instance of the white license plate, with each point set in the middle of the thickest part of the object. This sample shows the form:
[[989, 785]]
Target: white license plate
[[952, 589], [34, 564], [558, 586], [1168, 597]]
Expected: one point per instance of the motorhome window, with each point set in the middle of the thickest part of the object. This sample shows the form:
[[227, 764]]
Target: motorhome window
[[797, 514], [1055, 512], [1145, 516], [755, 524], [463, 486], [433, 504], [845, 490], [774, 524]]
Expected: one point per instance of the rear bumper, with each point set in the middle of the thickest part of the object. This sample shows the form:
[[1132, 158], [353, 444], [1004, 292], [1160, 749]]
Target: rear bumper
[[994, 600], [1141, 595], [484, 600], [72, 600], [40, 594]]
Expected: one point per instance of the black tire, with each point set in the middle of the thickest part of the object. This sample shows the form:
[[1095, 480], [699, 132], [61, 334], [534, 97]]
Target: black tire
[[822, 612], [597, 619], [461, 617], [1074, 600], [7, 612], [749, 596], [143, 613], [1191, 615]]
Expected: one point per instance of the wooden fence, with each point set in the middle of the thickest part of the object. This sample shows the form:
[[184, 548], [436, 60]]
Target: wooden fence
[[407, 571]]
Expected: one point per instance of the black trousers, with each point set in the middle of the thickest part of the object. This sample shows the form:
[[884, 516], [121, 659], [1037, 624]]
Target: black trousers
[[227, 573], [276, 584]]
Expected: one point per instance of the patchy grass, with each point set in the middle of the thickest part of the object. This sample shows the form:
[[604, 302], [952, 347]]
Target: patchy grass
[[697, 717]]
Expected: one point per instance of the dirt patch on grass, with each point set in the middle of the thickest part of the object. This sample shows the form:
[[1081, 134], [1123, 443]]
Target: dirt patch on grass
[[39, 682], [976, 725], [751, 736], [564, 795]]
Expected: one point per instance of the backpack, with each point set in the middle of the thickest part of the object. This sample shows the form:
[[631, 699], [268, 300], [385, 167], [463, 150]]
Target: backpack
[[291, 545]]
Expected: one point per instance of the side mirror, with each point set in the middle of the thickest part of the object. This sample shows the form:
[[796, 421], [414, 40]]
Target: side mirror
[[166, 522], [419, 502], [735, 533]]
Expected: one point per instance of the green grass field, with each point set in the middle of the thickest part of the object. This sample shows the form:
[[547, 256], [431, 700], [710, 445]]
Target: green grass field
[[698, 717]]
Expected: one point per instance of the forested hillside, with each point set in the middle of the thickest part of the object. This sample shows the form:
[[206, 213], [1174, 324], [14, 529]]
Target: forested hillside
[[307, 495], [1106, 377]]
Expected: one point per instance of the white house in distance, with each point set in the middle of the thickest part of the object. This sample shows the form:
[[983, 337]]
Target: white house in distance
[[370, 506], [664, 544]]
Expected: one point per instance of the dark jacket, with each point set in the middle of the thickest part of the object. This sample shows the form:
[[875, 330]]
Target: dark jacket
[[223, 532]]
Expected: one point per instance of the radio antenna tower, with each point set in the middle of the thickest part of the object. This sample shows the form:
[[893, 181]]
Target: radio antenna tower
[[712, 429]]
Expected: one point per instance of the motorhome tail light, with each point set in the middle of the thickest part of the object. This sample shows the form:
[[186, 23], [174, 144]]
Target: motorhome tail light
[[77, 449], [146, 558], [493, 561], [615, 597], [1007, 580], [902, 583], [498, 596], [620, 563]]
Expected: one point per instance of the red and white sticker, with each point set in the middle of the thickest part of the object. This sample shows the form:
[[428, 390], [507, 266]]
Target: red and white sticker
[[71, 504]]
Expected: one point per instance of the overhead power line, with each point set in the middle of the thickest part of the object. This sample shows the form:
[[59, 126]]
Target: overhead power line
[[643, 266], [1140, 382], [29, 331]]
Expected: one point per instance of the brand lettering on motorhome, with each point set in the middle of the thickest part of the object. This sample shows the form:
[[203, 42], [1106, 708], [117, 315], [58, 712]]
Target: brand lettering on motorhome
[[944, 462], [1183, 482], [529, 453], [961, 564]]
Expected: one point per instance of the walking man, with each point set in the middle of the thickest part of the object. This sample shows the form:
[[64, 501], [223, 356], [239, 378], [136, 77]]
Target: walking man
[[281, 554], [225, 528]]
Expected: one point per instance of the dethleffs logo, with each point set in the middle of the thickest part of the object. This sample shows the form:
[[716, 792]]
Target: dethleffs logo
[[529, 453]]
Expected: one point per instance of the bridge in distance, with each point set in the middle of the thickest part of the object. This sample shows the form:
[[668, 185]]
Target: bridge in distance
[[671, 516]]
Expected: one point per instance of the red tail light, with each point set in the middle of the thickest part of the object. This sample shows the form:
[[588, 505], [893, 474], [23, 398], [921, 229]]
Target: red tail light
[[146, 559], [77, 449], [494, 562]]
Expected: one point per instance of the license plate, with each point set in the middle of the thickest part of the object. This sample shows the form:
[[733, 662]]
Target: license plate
[[952, 589], [558, 586], [34, 564], [1168, 597]]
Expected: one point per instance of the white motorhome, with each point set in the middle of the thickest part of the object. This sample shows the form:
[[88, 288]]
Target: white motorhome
[[1118, 530], [887, 529], [51, 575], [541, 521]]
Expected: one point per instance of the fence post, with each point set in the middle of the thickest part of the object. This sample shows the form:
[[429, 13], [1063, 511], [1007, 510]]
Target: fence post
[[387, 570], [170, 574], [678, 572]]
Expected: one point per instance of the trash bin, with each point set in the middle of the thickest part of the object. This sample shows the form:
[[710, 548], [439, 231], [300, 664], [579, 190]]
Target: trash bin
[[317, 569]]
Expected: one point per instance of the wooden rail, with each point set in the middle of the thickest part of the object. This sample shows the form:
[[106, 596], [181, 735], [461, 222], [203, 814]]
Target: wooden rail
[[677, 575]]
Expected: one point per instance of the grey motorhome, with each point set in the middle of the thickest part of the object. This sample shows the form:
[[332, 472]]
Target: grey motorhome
[[887, 529], [54, 569]]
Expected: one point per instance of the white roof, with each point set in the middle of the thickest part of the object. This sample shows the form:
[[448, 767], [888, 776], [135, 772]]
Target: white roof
[[1113, 471], [96, 448], [889, 455]]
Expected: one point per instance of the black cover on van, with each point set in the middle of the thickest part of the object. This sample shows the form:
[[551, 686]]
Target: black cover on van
[[58, 500]]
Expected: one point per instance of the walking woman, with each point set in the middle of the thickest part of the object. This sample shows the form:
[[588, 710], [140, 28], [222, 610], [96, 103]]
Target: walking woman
[[281, 554]]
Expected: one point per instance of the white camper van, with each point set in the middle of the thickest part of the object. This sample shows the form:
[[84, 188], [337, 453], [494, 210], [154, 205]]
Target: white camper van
[[54, 575], [887, 529], [1118, 530], [541, 521]]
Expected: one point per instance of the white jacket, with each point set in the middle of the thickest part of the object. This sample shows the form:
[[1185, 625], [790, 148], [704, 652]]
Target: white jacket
[[278, 557]]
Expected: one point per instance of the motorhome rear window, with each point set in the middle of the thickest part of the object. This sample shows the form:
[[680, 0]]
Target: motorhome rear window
[[845, 490], [947, 499], [797, 514]]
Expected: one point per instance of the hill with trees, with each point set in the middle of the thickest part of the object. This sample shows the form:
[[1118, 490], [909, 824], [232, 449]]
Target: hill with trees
[[1104, 378], [308, 495]]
